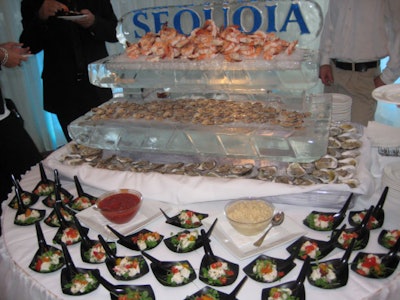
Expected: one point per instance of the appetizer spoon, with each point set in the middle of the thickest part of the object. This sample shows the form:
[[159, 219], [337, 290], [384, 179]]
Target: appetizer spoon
[[63, 194], [28, 198], [120, 290], [36, 263], [197, 244], [212, 261], [88, 244], [337, 268], [379, 265], [208, 292], [332, 219], [377, 216], [255, 270], [321, 248], [70, 273], [177, 222], [128, 240], [361, 232], [296, 286], [111, 262], [277, 219], [83, 197], [45, 186], [27, 216], [162, 270]]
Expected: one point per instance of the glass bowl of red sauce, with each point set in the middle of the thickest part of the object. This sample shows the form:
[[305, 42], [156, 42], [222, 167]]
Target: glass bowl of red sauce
[[119, 206]]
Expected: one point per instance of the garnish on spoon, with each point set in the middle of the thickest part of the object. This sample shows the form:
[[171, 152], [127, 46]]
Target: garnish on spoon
[[215, 270], [377, 265], [377, 216], [139, 241], [47, 258], [27, 216], [84, 200], [124, 267], [28, 198], [326, 221], [186, 219], [171, 273]]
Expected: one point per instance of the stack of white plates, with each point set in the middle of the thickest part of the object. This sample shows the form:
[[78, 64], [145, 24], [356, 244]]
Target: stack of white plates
[[341, 108], [391, 179]]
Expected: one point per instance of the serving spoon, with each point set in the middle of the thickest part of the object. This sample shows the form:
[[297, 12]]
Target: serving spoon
[[277, 219]]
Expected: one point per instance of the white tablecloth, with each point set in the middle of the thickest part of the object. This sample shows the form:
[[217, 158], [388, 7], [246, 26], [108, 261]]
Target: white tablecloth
[[18, 245]]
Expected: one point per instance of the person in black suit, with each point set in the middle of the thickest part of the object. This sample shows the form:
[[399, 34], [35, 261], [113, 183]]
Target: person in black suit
[[18, 152], [69, 46]]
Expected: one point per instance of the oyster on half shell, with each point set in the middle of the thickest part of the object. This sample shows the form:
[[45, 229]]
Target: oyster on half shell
[[326, 162]]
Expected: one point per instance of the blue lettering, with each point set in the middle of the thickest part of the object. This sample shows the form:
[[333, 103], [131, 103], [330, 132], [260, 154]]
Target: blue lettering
[[295, 10], [139, 24], [257, 18], [178, 20], [271, 18], [157, 20]]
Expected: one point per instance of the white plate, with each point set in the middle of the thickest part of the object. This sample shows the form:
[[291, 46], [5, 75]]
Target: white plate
[[389, 93], [242, 246], [77, 17], [149, 211]]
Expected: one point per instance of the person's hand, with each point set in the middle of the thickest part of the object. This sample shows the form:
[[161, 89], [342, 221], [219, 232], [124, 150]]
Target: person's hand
[[16, 54], [49, 8], [86, 21], [378, 82], [325, 73]]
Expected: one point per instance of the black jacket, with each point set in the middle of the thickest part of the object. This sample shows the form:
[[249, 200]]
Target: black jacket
[[68, 49]]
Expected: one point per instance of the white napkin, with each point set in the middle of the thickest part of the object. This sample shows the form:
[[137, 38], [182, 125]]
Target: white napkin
[[382, 135]]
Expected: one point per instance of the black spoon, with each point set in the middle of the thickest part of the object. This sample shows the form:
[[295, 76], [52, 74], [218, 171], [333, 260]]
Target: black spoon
[[270, 269], [332, 273], [166, 271], [70, 274], [46, 253], [360, 233], [173, 243], [388, 238], [296, 287], [211, 261], [27, 216], [63, 194], [84, 200], [185, 223], [326, 221], [45, 186], [28, 198], [377, 265], [116, 264], [130, 241], [117, 291], [304, 246], [68, 232], [52, 219], [92, 251], [377, 216]]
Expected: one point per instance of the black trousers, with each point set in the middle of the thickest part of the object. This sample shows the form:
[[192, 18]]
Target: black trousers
[[18, 152]]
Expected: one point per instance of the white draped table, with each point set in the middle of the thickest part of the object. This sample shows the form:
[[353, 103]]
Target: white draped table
[[19, 243]]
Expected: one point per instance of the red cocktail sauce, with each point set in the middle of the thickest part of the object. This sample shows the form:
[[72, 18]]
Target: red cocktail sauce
[[119, 208]]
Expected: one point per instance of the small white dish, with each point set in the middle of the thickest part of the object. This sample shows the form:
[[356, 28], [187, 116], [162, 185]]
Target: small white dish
[[242, 246], [149, 211], [389, 93]]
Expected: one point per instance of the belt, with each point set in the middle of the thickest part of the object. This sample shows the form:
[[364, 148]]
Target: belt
[[358, 67]]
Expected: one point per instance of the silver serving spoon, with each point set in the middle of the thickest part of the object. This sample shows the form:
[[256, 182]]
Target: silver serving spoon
[[277, 219]]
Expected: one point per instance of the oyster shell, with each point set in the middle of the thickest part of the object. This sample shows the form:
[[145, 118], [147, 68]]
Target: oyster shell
[[325, 175], [347, 127], [352, 182], [335, 130], [242, 170], [349, 161], [350, 144], [334, 143], [283, 179], [268, 171], [351, 153], [326, 162], [346, 172], [305, 180], [295, 170]]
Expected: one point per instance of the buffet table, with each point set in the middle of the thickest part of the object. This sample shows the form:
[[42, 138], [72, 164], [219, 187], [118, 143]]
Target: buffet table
[[18, 244]]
